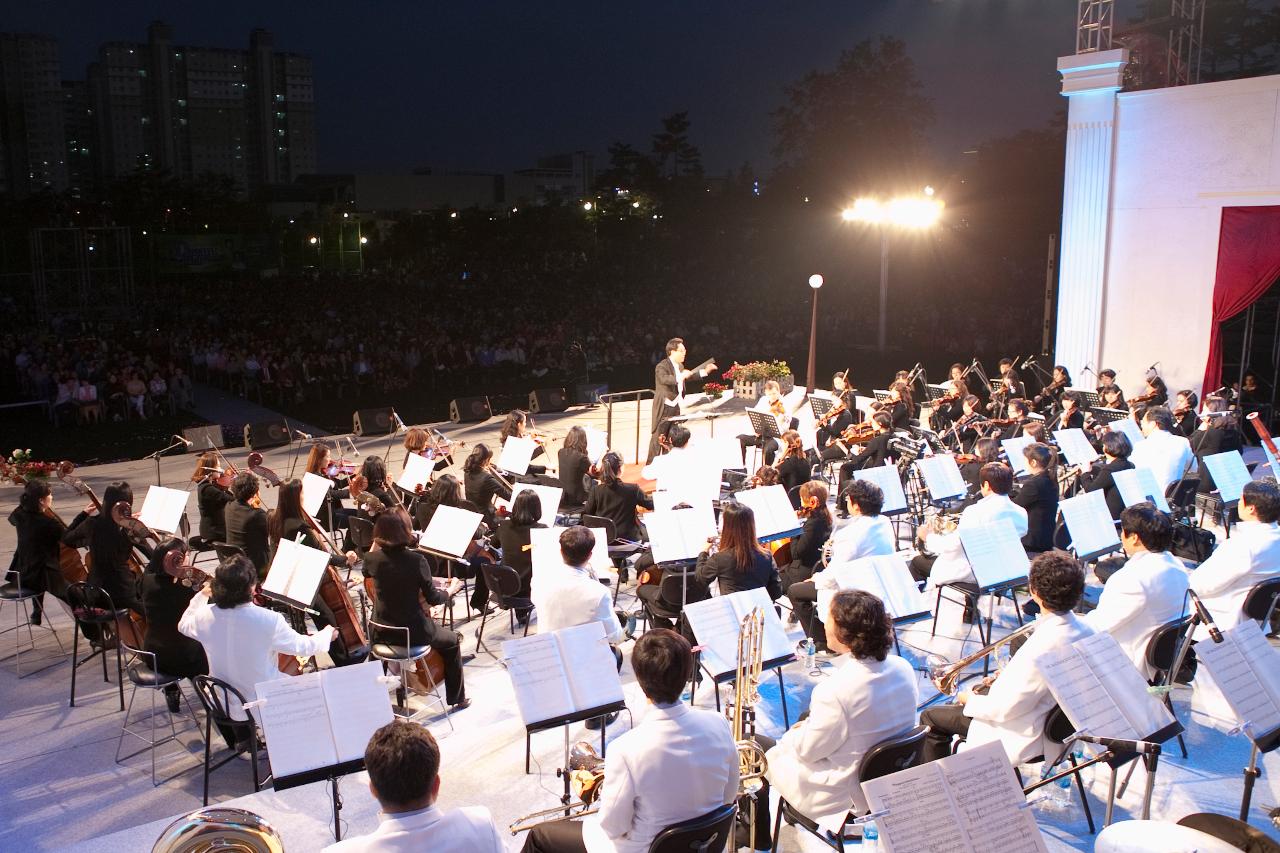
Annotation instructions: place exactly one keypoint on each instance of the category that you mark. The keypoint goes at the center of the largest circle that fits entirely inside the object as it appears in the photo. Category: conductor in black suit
(668, 384)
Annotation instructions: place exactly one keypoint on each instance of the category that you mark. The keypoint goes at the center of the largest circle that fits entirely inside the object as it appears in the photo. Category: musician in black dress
(399, 574)
(513, 539)
(332, 514)
(35, 560)
(373, 480)
(899, 405)
(874, 452)
(1072, 415)
(1185, 419)
(247, 523)
(1115, 452)
(514, 426)
(573, 465)
(740, 562)
(794, 468)
(843, 393)
(1018, 413)
(480, 484)
(212, 496)
(447, 491)
(110, 548)
(164, 599)
(1038, 495)
(1050, 398)
(617, 501)
(806, 549)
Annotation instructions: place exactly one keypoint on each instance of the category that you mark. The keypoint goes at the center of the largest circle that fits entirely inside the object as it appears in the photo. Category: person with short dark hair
(246, 523)
(1164, 454)
(1072, 415)
(616, 500)
(110, 549)
(242, 640)
(1013, 712)
(1038, 495)
(950, 564)
(513, 538)
(1217, 432)
(1148, 591)
(1250, 556)
(1115, 452)
(669, 376)
(403, 763)
(869, 698)
(677, 764)
(36, 557)
(572, 594)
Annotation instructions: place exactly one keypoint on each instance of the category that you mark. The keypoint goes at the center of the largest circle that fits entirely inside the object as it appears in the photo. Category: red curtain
(1248, 264)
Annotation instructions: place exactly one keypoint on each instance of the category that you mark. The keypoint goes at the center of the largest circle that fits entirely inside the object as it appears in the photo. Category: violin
(370, 504)
(967, 458)
(859, 433)
(836, 411)
(777, 408)
(1143, 398)
(341, 468)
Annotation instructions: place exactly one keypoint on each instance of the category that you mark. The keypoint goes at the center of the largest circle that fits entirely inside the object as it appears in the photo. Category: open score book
(717, 623)
(563, 673)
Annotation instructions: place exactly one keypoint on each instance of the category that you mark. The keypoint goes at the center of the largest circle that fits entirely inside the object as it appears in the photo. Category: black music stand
(820, 406)
(776, 665)
(565, 721)
(330, 774)
(1104, 415)
(765, 426)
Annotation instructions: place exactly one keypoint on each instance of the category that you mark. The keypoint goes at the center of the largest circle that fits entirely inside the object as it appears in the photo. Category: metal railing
(625, 396)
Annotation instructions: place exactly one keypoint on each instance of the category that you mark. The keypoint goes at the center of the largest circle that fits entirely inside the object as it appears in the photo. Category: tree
(858, 126)
(676, 157)
(1241, 39)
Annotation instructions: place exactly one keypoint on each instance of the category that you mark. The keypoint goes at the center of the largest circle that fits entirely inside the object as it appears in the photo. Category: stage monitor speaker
(373, 421)
(265, 434)
(548, 400)
(588, 393)
(203, 438)
(467, 409)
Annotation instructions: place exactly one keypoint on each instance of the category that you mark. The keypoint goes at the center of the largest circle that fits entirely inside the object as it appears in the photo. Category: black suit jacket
(212, 501)
(1100, 478)
(618, 503)
(873, 453)
(665, 387)
(794, 471)
(806, 549)
(1206, 442)
(513, 539)
(573, 472)
(1039, 497)
(164, 600)
(480, 488)
(37, 552)
(247, 528)
(398, 576)
(722, 567)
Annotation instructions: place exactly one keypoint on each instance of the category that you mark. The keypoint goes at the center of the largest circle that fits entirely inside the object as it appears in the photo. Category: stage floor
(60, 788)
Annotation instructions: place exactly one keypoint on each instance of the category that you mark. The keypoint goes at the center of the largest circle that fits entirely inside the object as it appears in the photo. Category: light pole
(815, 282)
(915, 213)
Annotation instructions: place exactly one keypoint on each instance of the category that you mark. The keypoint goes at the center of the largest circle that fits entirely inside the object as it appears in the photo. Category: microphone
(183, 440)
(1141, 747)
(1030, 360)
(301, 436)
(1152, 368)
(1202, 613)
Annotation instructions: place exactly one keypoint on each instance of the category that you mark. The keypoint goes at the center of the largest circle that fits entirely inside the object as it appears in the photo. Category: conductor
(668, 388)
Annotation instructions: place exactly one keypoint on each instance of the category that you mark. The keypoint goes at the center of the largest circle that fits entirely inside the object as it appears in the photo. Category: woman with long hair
(288, 521)
(513, 539)
(332, 515)
(740, 562)
(35, 560)
(110, 548)
(480, 484)
(514, 426)
(373, 480)
(447, 491)
(212, 496)
(617, 501)
(573, 467)
(806, 549)
(794, 468)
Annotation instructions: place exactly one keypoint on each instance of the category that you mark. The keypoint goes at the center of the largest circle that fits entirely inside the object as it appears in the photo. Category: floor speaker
(548, 400)
(265, 434)
(467, 409)
(203, 438)
(373, 421)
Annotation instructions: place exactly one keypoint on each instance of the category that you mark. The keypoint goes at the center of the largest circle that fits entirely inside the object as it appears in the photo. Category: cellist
(36, 559)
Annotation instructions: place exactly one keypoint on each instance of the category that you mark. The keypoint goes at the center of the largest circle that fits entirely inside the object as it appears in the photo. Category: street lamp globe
(815, 281)
(313, 240)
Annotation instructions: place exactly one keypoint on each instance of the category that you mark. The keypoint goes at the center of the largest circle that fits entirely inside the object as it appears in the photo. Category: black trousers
(944, 722)
(804, 601)
(447, 643)
(921, 566)
(770, 446)
(561, 836)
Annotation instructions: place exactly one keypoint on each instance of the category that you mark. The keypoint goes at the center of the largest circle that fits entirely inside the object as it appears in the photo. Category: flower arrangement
(758, 371)
(20, 468)
(714, 387)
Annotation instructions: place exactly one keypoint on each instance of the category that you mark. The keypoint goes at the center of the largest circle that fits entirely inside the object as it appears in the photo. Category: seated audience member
(403, 763)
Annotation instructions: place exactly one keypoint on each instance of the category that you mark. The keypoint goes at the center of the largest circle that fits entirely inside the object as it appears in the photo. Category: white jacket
(1145, 594)
(465, 830)
(1015, 709)
(1250, 556)
(952, 566)
(1166, 455)
(863, 536)
(815, 764)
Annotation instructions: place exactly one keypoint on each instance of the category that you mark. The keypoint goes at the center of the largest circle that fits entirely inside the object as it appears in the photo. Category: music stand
(1104, 415)
(765, 426)
(820, 406)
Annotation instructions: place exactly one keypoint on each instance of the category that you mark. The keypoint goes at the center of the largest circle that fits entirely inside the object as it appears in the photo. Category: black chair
(1260, 604)
(670, 588)
(707, 834)
(201, 546)
(226, 551)
(19, 596)
(888, 756)
(793, 494)
(391, 644)
(359, 533)
(218, 697)
(504, 592)
(1181, 495)
(95, 613)
(143, 673)
(1161, 654)
(618, 551)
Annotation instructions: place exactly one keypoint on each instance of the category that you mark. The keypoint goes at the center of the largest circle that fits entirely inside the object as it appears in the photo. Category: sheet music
(886, 577)
(680, 534)
(597, 444)
(548, 496)
(942, 476)
(1127, 687)
(721, 452)
(545, 545)
(1136, 484)
(538, 677)
(516, 454)
(296, 571)
(450, 530)
(1246, 667)
(1229, 473)
(417, 472)
(989, 801)
(1131, 430)
(921, 813)
(590, 667)
(715, 625)
(295, 721)
(1075, 446)
(358, 705)
(772, 509)
(887, 478)
(696, 481)
(1081, 695)
(1089, 522)
(1013, 449)
(994, 551)
(314, 490)
(162, 508)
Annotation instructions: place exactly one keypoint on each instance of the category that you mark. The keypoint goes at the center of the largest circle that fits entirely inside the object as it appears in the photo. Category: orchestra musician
(874, 452)
(1112, 397)
(675, 457)
(373, 479)
(793, 468)
(677, 764)
(1013, 712)
(1051, 396)
(1071, 416)
(1147, 591)
(1011, 388)
(480, 484)
(213, 493)
(871, 697)
(241, 640)
(669, 376)
(771, 403)
(830, 429)
(899, 405)
(1107, 382)
(739, 562)
(1250, 556)
(36, 557)
(1017, 414)
(1034, 430)
(1038, 496)
(618, 501)
(1166, 455)
(246, 522)
(1155, 393)
(110, 548)
(332, 515)
(513, 540)
(515, 425)
(764, 476)
(164, 599)
(984, 450)
(447, 491)
(573, 466)
(806, 549)
(403, 763)
(1217, 432)
(965, 429)
(949, 408)
(418, 440)
(1185, 419)
(1115, 454)
(400, 574)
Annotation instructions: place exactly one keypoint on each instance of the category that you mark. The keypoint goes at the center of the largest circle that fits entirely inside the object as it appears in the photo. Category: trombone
(586, 778)
(946, 676)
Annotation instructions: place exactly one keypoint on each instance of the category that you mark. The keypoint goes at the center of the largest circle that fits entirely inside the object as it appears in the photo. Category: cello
(71, 565)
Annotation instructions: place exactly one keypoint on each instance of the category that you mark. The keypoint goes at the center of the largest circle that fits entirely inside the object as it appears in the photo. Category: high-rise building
(247, 114)
(32, 143)
(80, 132)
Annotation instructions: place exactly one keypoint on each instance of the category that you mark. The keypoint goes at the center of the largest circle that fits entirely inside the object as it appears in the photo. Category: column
(1090, 81)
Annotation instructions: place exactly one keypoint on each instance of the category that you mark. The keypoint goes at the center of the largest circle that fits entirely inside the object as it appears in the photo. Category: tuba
(586, 780)
(222, 830)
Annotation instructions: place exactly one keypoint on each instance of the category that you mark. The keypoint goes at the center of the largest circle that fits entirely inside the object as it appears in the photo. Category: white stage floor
(60, 788)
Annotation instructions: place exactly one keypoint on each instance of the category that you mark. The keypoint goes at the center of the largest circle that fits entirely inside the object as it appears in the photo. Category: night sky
(491, 86)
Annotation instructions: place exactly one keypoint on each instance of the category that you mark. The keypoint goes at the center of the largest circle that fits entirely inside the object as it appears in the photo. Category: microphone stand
(156, 456)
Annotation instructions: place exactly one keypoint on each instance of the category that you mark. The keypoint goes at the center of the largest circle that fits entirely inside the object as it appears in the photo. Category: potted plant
(748, 379)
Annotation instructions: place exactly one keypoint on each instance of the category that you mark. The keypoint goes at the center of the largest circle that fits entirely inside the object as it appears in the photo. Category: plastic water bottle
(870, 837)
(810, 655)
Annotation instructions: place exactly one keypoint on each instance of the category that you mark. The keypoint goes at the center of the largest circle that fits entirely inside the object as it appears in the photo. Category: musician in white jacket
(403, 762)
(243, 641)
(1250, 556)
(1164, 454)
(1148, 591)
(871, 697)
(951, 566)
(1015, 709)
